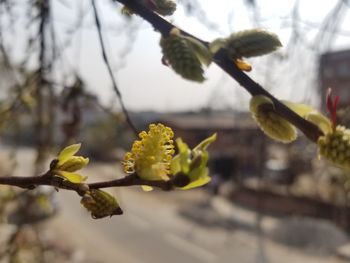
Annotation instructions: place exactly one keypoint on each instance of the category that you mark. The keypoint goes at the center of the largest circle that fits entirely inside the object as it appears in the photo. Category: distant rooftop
(210, 120)
(340, 54)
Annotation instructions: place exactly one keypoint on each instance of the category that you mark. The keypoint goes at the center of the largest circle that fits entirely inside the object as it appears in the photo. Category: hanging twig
(109, 68)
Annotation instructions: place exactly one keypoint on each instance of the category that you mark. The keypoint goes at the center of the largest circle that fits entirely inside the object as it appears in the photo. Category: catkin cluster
(335, 146)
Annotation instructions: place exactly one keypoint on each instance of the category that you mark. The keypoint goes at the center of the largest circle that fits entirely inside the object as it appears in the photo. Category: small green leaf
(181, 162)
(72, 177)
(175, 165)
(200, 170)
(68, 152)
(202, 180)
(192, 164)
(205, 143)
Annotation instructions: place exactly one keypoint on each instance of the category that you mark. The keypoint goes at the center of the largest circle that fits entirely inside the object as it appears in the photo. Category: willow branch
(58, 182)
(222, 59)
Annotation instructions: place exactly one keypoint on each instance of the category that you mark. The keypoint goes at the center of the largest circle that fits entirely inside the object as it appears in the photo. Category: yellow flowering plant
(152, 158)
(151, 155)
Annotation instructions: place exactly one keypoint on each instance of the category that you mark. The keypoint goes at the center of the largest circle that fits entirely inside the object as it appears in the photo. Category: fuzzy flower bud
(252, 43)
(100, 204)
(270, 122)
(73, 164)
(180, 55)
(67, 164)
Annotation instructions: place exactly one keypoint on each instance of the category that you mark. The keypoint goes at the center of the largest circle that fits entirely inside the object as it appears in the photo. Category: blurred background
(267, 202)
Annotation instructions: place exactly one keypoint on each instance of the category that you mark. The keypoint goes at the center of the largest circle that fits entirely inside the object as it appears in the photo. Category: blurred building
(334, 72)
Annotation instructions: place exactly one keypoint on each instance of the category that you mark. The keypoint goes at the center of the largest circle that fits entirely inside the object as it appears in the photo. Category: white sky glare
(146, 84)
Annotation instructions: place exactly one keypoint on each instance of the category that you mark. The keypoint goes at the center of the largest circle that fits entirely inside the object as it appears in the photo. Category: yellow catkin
(150, 156)
(335, 146)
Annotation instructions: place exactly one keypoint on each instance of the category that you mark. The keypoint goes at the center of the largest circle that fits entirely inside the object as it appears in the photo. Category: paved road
(147, 232)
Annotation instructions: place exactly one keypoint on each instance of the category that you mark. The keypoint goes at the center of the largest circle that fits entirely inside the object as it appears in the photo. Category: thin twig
(109, 68)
